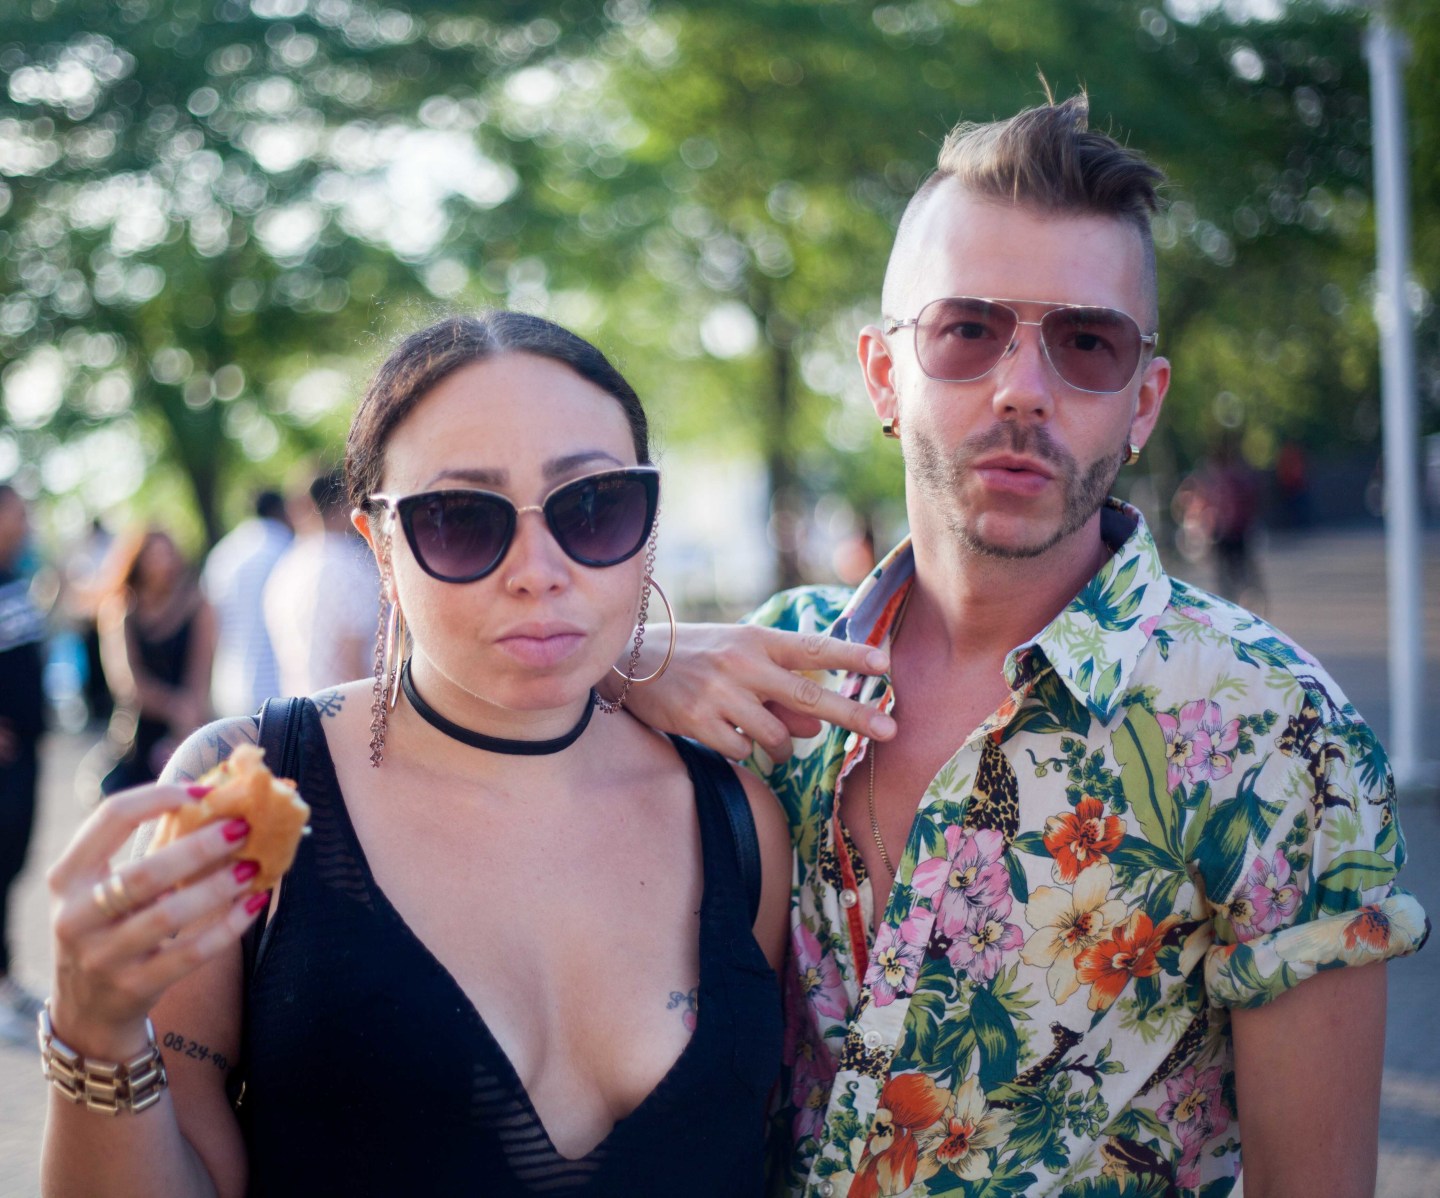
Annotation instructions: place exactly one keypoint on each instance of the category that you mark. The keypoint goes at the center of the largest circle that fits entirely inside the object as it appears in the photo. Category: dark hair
(270, 505)
(327, 491)
(1050, 159)
(121, 569)
(426, 358)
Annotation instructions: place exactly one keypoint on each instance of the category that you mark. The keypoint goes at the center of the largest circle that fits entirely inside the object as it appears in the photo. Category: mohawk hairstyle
(1049, 159)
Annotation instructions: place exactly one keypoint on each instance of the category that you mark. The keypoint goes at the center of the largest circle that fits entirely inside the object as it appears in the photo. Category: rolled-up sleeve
(1319, 891)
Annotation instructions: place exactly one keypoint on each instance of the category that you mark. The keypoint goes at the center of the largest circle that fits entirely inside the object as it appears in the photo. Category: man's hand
(1307, 1082)
(731, 684)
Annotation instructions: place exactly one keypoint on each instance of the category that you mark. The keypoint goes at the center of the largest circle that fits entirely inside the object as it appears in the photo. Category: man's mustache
(1032, 441)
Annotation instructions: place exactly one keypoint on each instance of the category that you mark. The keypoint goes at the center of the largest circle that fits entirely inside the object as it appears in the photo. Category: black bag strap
(279, 736)
(715, 779)
(742, 830)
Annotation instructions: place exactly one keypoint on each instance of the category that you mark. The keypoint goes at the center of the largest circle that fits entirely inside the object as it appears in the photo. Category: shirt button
(848, 898)
(827, 1189)
(873, 1040)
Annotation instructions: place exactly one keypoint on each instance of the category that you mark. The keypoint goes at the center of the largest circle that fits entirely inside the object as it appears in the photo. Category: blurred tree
(736, 172)
(1420, 21)
(208, 205)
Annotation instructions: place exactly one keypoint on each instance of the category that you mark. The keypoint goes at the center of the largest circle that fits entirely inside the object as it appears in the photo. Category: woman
(519, 968)
(157, 643)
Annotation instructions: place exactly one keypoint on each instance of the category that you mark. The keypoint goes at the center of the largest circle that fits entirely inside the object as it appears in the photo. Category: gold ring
(102, 900)
(120, 900)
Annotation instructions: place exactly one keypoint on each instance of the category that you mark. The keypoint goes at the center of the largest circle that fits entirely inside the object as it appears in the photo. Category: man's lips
(1013, 475)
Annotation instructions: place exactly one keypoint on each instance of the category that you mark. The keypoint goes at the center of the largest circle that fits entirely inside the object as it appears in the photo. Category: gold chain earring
(389, 654)
(611, 706)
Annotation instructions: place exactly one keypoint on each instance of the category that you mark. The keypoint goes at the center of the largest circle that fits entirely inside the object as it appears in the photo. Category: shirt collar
(1095, 642)
(1092, 645)
(871, 610)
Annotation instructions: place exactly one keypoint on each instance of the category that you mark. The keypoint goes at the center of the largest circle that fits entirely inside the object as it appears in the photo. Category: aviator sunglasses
(461, 536)
(961, 339)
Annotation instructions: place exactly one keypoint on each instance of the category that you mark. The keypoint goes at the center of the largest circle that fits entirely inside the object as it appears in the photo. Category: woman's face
(159, 563)
(540, 629)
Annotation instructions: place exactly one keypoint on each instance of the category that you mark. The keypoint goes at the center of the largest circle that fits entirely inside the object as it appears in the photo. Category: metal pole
(1386, 51)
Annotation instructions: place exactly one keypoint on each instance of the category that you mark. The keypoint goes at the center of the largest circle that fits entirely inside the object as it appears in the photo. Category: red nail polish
(255, 902)
(236, 829)
(245, 870)
(197, 791)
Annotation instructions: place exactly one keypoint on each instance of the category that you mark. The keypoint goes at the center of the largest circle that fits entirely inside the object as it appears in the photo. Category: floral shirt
(1174, 813)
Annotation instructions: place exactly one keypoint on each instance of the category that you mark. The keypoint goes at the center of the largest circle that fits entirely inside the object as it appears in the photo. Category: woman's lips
(540, 649)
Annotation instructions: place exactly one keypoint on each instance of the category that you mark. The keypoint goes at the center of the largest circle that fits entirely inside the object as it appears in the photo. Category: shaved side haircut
(1047, 159)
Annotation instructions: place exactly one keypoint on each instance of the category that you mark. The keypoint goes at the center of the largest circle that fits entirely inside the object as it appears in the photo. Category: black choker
(492, 744)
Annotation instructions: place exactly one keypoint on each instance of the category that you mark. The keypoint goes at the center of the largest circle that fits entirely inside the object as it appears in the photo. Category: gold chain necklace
(874, 820)
(875, 745)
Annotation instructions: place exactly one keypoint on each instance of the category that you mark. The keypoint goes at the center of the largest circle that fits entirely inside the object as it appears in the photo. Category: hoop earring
(891, 428)
(389, 654)
(611, 706)
(1132, 455)
(394, 654)
(650, 584)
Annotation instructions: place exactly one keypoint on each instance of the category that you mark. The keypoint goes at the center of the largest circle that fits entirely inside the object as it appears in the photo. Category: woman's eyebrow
(555, 467)
(480, 478)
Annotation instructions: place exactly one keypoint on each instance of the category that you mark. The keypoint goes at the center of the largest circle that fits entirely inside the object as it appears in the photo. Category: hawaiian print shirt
(1174, 813)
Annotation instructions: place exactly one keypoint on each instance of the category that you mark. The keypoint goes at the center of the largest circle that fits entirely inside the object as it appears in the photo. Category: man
(236, 570)
(322, 600)
(22, 723)
(1074, 927)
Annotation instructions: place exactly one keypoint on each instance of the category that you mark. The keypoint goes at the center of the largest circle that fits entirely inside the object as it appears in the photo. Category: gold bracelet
(105, 1086)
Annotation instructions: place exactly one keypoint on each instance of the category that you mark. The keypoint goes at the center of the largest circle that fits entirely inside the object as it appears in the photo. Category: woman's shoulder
(208, 746)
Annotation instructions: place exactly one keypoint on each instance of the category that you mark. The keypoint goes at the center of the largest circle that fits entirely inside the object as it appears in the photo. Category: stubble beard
(1084, 493)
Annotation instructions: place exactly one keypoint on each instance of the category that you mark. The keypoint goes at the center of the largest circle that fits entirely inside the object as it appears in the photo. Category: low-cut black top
(368, 1071)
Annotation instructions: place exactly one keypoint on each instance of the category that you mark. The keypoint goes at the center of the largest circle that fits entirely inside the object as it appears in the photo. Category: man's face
(1014, 463)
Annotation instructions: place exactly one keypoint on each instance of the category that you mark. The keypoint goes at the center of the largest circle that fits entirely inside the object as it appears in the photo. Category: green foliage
(215, 213)
(1349, 876)
(1139, 749)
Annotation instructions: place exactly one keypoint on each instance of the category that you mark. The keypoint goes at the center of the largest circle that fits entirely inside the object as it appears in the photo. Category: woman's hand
(122, 937)
(731, 684)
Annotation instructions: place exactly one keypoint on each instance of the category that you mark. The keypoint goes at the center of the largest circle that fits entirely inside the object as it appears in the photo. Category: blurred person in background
(1219, 505)
(157, 642)
(233, 580)
(323, 596)
(82, 594)
(22, 722)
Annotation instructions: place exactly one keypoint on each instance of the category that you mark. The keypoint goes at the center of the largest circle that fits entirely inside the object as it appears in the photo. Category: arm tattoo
(687, 1004)
(202, 751)
(205, 749)
(329, 703)
(182, 1046)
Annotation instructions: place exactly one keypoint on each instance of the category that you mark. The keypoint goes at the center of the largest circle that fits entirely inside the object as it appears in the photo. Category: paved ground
(1325, 590)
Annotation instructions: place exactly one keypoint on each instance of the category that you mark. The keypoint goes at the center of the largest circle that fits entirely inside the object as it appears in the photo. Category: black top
(368, 1071)
(164, 658)
(22, 660)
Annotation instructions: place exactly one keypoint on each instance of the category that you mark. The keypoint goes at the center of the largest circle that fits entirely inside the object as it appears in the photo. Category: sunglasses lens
(1094, 349)
(602, 521)
(958, 340)
(458, 536)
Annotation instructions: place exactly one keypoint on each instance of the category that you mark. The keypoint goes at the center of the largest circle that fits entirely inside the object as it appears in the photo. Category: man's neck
(973, 606)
